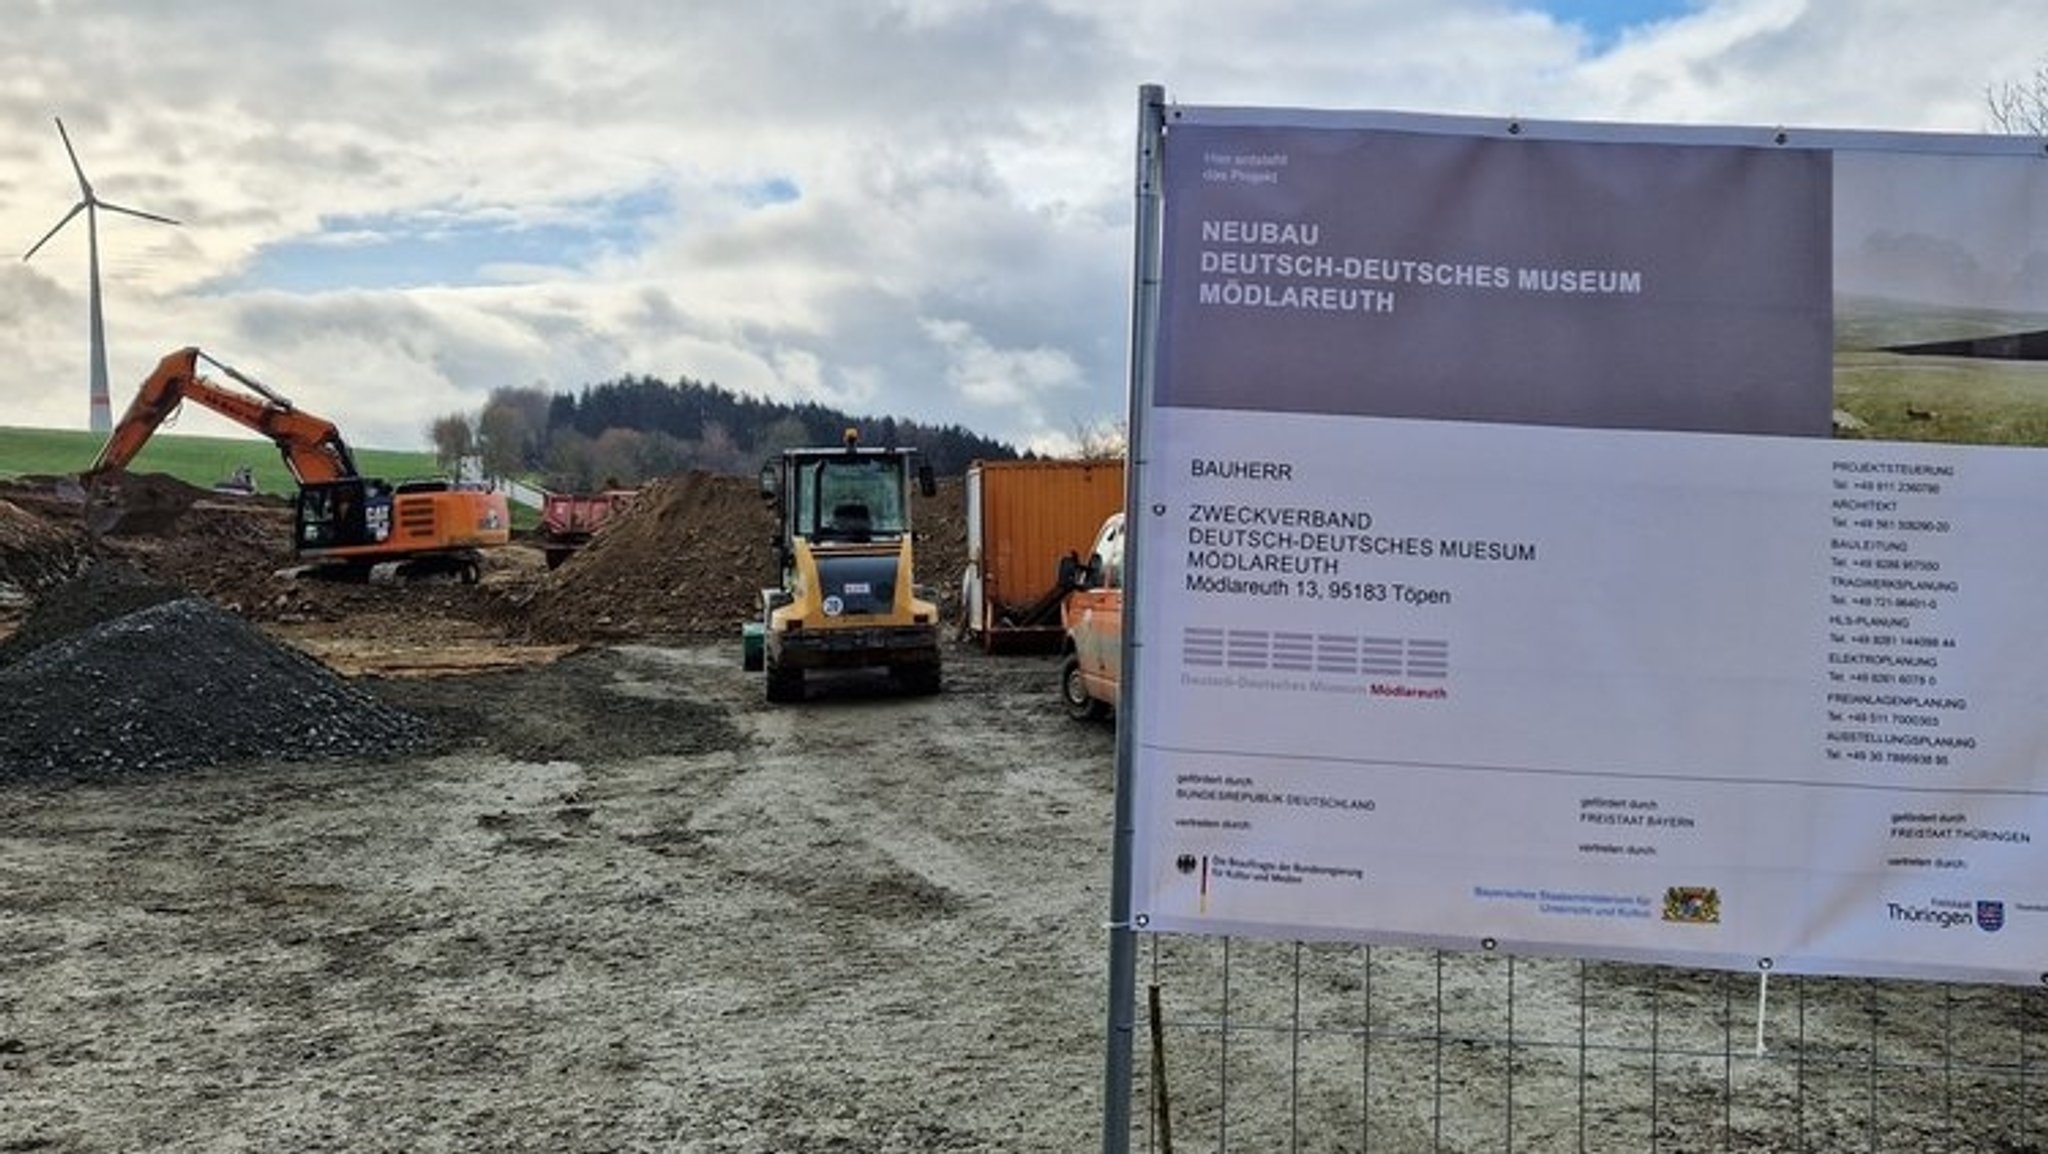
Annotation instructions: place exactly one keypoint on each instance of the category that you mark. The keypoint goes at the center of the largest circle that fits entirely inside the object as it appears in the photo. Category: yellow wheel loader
(849, 597)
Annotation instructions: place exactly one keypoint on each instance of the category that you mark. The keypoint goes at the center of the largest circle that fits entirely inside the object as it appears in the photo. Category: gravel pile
(103, 591)
(181, 684)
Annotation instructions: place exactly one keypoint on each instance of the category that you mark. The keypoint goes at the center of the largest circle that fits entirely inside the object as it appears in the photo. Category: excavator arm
(311, 446)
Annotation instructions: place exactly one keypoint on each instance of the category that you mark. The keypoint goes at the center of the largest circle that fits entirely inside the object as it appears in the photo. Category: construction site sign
(1606, 541)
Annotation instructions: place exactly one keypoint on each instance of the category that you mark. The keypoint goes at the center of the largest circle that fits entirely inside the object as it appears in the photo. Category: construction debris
(177, 643)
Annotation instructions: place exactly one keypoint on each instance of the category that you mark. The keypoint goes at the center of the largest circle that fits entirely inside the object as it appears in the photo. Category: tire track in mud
(896, 846)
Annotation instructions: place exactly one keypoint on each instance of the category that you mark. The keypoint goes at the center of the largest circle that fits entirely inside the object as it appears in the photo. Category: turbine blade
(112, 207)
(75, 210)
(84, 186)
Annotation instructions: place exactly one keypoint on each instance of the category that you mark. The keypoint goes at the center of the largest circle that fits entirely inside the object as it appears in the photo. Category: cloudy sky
(909, 207)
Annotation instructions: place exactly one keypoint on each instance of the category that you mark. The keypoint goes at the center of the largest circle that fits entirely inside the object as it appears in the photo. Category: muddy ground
(621, 903)
(639, 910)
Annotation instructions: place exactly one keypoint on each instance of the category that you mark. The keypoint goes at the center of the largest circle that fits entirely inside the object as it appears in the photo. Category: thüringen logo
(1990, 916)
(1929, 916)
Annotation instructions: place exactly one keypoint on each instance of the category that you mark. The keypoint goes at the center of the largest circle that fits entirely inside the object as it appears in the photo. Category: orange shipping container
(1022, 517)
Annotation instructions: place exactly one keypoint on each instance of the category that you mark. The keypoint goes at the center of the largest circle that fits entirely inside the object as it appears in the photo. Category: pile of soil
(941, 524)
(690, 556)
(228, 550)
(35, 554)
(138, 504)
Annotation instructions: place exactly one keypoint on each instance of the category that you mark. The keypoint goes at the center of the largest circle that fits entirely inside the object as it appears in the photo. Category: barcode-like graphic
(1209, 647)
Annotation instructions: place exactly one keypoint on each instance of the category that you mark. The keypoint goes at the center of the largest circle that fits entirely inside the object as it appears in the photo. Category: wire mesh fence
(1345, 1049)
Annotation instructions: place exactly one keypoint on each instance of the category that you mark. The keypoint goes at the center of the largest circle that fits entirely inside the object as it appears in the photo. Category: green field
(1952, 400)
(199, 461)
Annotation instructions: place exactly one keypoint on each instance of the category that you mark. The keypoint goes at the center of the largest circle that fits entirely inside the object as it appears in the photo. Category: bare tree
(568, 462)
(617, 455)
(505, 437)
(2020, 107)
(785, 432)
(453, 438)
(1101, 440)
(719, 452)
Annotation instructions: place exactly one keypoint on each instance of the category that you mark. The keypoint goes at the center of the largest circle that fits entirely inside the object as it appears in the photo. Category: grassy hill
(197, 461)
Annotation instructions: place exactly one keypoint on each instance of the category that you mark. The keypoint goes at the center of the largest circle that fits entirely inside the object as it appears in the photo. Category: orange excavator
(345, 525)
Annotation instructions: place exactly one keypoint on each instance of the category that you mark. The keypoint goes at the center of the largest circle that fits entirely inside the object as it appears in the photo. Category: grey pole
(1123, 943)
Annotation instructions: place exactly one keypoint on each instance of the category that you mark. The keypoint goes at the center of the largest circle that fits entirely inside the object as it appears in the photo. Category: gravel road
(634, 908)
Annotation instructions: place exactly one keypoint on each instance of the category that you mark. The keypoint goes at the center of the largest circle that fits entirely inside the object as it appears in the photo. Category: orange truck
(1092, 624)
(1022, 518)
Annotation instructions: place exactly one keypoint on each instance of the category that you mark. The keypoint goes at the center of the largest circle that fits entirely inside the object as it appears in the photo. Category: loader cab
(858, 499)
(850, 495)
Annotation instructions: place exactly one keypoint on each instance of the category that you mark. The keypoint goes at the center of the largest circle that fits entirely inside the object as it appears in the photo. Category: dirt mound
(941, 523)
(229, 549)
(139, 504)
(35, 554)
(183, 684)
(691, 556)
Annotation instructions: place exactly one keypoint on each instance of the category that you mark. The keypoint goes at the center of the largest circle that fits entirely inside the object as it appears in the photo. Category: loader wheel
(1074, 695)
(785, 685)
(921, 680)
(471, 572)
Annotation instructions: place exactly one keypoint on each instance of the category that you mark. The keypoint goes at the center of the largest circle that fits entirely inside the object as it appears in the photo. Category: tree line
(631, 430)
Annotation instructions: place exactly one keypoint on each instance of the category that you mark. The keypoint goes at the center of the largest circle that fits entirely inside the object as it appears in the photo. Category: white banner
(1500, 582)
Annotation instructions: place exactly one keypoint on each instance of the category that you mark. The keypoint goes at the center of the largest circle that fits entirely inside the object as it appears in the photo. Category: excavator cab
(363, 528)
(338, 514)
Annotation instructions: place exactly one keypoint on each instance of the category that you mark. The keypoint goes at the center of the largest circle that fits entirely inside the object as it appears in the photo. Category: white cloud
(1000, 378)
(919, 208)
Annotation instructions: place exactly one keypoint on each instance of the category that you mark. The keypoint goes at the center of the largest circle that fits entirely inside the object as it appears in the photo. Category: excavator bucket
(125, 505)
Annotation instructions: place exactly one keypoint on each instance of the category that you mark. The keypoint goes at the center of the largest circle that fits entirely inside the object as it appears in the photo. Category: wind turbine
(102, 416)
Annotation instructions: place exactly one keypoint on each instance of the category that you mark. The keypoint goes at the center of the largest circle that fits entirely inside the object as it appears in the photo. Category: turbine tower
(102, 414)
